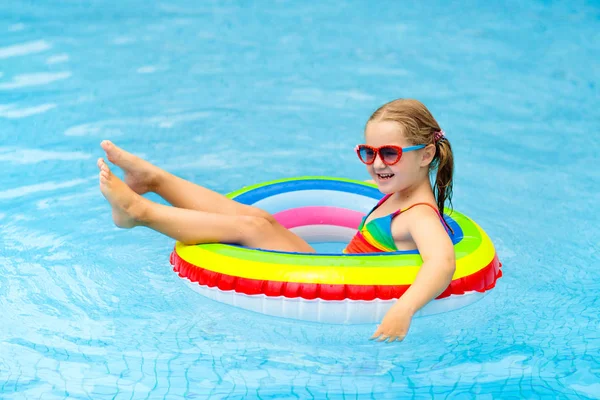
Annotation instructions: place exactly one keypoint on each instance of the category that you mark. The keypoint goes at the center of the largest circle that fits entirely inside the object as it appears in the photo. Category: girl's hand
(394, 325)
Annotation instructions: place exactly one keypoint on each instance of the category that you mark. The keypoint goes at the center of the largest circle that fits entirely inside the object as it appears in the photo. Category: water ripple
(592, 390)
(34, 156)
(336, 99)
(379, 71)
(24, 49)
(36, 79)
(57, 59)
(147, 69)
(16, 27)
(10, 111)
(39, 187)
(111, 127)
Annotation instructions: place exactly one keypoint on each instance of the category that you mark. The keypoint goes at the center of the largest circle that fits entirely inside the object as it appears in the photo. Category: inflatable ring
(330, 288)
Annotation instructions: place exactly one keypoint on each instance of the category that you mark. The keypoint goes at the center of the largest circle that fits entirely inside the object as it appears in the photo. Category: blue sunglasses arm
(411, 148)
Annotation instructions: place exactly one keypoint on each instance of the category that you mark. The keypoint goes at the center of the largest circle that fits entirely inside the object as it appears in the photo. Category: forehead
(379, 133)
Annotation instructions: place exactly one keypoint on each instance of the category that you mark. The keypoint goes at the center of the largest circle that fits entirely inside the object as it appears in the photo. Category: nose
(378, 163)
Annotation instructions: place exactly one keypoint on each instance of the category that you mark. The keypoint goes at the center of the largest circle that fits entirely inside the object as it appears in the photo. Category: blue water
(230, 94)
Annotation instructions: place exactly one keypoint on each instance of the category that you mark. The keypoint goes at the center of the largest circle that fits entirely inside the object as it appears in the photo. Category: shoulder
(423, 225)
(414, 217)
(418, 214)
(422, 210)
(403, 224)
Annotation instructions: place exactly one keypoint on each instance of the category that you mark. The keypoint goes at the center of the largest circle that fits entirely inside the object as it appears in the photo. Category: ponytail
(444, 163)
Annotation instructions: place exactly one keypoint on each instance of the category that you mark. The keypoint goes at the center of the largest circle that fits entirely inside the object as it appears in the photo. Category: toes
(111, 150)
(102, 165)
(106, 145)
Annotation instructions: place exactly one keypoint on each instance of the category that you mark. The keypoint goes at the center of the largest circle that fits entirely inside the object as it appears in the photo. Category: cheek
(403, 171)
(408, 166)
(400, 169)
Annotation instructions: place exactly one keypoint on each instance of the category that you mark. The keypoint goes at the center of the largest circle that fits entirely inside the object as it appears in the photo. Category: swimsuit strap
(416, 204)
(425, 204)
(387, 196)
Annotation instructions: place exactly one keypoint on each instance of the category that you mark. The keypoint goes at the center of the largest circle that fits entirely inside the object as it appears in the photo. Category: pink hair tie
(438, 136)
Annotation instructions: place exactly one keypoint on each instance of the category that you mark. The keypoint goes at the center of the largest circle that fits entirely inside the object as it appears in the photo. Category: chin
(386, 191)
(387, 187)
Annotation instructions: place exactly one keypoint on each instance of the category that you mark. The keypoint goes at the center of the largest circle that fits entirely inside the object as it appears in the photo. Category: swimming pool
(232, 94)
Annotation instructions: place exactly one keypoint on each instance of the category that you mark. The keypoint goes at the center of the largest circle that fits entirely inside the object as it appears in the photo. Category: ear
(428, 154)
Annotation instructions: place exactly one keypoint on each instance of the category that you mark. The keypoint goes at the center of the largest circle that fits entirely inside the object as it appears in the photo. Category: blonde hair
(421, 128)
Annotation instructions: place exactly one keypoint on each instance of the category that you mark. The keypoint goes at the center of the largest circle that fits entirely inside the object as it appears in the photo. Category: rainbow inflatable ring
(329, 288)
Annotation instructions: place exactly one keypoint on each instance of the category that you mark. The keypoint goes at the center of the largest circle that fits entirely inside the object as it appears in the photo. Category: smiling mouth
(384, 177)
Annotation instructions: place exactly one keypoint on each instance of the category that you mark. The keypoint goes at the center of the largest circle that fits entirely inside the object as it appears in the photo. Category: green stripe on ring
(471, 241)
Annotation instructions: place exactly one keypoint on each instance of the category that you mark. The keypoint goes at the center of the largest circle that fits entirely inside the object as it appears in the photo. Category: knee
(259, 213)
(253, 228)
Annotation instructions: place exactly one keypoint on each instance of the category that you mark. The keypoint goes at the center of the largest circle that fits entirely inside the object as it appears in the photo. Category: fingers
(383, 338)
(398, 338)
(380, 336)
(377, 333)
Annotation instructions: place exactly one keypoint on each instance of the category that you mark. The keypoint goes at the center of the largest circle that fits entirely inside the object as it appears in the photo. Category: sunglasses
(389, 154)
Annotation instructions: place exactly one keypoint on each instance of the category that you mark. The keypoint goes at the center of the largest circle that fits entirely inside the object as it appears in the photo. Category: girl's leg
(142, 177)
(192, 226)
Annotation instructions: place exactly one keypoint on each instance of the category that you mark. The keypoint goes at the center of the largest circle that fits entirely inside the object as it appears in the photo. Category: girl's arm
(439, 264)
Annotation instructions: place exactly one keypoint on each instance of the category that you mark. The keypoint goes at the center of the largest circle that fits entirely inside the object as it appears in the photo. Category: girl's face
(412, 167)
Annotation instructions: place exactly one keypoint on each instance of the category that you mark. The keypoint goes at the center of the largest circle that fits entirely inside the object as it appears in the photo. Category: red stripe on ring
(480, 281)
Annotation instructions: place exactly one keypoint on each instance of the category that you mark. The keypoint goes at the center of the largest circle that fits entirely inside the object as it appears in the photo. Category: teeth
(385, 176)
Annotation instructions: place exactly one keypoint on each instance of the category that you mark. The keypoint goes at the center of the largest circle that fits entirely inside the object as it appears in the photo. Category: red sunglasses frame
(376, 151)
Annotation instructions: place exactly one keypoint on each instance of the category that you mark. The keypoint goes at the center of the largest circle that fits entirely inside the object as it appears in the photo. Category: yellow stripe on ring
(371, 274)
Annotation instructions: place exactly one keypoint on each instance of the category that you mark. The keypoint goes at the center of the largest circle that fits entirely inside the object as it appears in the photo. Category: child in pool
(404, 144)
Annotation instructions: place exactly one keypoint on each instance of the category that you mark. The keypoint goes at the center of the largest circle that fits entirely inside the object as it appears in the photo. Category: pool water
(230, 94)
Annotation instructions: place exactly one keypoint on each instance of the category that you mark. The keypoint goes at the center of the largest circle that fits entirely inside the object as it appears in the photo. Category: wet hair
(421, 128)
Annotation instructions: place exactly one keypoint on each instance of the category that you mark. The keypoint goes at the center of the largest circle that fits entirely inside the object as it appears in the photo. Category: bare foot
(127, 206)
(140, 175)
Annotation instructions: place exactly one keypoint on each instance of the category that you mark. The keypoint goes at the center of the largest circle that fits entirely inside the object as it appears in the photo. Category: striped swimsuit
(376, 236)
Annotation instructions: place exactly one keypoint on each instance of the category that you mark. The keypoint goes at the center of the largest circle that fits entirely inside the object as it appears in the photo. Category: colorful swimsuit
(376, 236)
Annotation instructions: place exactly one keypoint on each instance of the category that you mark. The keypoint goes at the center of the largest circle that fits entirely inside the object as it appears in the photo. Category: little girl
(404, 144)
